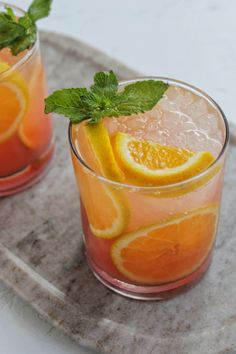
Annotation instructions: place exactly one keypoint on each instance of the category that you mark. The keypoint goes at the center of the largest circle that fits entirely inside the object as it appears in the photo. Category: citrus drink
(150, 187)
(26, 132)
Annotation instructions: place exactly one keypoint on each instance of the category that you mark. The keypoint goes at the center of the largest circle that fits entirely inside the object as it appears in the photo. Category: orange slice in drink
(105, 206)
(168, 250)
(3, 66)
(148, 163)
(13, 103)
(100, 143)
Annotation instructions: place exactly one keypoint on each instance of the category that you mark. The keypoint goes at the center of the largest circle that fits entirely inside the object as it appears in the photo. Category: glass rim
(29, 53)
(171, 185)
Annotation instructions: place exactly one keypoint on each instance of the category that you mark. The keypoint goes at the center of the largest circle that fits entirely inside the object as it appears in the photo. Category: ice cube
(208, 123)
(197, 108)
(180, 119)
(176, 99)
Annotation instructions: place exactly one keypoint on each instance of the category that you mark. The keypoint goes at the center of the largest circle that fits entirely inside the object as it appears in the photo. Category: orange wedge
(148, 163)
(13, 103)
(168, 250)
(100, 143)
(105, 206)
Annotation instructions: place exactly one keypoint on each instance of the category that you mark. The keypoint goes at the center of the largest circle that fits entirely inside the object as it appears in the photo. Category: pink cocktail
(144, 240)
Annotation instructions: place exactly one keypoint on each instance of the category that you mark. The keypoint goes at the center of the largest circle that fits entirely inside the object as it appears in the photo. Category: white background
(190, 40)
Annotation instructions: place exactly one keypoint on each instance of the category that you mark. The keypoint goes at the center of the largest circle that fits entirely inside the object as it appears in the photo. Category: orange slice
(100, 143)
(13, 103)
(148, 163)
(3, 66)
(105, 206)
(168, 250)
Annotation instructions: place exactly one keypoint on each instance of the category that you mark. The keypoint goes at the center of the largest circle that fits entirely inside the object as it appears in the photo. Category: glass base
(157, 292)
(29, 176)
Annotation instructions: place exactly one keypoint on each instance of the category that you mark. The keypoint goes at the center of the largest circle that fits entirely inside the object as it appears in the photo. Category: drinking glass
(26, 133)
(164, 236)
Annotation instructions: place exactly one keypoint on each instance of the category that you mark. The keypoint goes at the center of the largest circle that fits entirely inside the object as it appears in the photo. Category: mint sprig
(20, 33)
(104, 99)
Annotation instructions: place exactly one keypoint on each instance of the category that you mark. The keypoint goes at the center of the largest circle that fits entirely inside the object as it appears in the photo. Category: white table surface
(186, 39)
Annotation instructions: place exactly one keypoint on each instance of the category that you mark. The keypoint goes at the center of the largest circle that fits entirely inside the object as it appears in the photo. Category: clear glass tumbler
(159, 240)
(26, 133)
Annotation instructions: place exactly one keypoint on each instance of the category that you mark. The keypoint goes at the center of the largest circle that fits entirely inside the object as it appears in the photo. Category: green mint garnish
(103, 99)
(20, 33)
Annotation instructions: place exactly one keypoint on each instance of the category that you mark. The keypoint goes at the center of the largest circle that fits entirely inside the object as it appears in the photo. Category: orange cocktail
(26, 134)
(150, 187)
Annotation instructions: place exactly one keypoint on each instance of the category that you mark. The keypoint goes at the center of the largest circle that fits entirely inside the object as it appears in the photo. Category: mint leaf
(26, 21)
(68, 102)
(9, 30)
(29, 37)
(104, 99)
(39, 9)
(23, 42)
(105, 83)
(142, 95)
(20, 33)
(146, 93)
(11, 14)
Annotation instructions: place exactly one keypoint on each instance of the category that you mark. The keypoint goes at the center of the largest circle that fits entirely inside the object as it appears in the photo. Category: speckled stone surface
(41, 254)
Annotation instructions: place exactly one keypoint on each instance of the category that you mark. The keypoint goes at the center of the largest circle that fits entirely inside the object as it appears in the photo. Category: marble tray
(41, 255)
